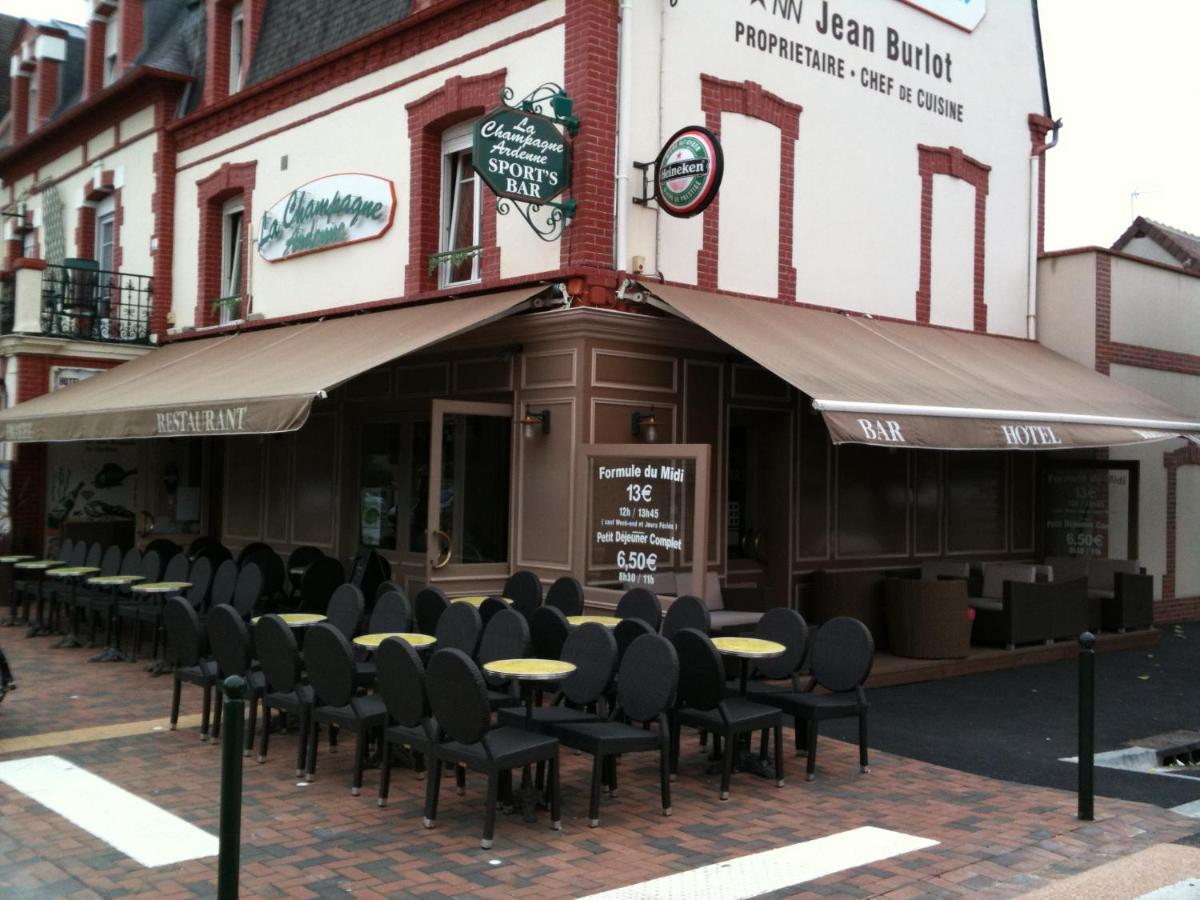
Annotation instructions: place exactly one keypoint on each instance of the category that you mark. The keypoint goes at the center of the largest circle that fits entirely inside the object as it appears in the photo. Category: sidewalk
(994, 838)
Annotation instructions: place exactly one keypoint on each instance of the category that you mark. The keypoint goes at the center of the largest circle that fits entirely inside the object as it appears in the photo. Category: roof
(8, 33)
(1183, 246)
(295, 31)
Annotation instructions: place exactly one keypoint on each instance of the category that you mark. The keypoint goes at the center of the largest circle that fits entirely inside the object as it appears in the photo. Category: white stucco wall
(1187, 532)
(1066, 313)
(1155, 307)
(1144, 247)
(952, 263)
(749, 228)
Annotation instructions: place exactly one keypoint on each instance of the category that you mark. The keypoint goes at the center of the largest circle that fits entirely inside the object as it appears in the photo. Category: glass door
(469, 493)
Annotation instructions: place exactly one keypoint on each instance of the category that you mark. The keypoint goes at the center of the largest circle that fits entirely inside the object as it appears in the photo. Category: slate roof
(295, 31)
(1182, 245)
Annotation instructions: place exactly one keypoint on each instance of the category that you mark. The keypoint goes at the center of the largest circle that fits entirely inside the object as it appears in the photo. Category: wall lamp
(645, 426)
(532, 419)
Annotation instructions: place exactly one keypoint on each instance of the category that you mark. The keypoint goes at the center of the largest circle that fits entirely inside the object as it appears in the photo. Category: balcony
(78, 301)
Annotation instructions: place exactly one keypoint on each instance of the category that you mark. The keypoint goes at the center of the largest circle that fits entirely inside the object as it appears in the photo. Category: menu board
(1086, 511)
(641, 519)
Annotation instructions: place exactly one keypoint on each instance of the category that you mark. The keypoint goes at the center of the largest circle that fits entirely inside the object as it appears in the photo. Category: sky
(1122, 79)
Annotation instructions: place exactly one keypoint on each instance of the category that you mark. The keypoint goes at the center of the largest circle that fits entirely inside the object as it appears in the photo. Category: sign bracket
(551, 229)
(549, 93)
(647, 182)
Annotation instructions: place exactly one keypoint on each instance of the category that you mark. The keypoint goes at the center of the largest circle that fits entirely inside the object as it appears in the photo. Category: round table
(112, 652)
(159, 590)
(73, 573)
(297, 620)
(528, 671)
(41, 566)
(161, 587)
(606, 621)
(115, 580)
(416, 639)
(15, 558)
(477, 601)
(12, 600)
(746, 649)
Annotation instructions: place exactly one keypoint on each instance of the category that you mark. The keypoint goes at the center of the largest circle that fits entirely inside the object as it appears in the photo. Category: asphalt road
(1017, 724)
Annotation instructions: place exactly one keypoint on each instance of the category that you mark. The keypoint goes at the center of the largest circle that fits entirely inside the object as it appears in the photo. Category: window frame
(110, 61)
(232, 268)
(237, 46)
(454, 142)
(106, 215)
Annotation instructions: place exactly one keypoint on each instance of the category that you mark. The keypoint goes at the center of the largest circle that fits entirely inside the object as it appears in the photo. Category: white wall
(1155, 307)
(1066, 289)
(749, 228)
(952, 262)
(1145, 247)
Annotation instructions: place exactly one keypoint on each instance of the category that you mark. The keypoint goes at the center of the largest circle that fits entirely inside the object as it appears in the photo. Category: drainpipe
(624, 137)
(1036, 161)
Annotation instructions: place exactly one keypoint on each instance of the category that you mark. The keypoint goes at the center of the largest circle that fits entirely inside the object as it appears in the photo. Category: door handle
(443, 561)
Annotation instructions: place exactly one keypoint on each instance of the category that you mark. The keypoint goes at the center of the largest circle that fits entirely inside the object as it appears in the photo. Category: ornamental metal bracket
(556, 221)
(647, 183)
(535, 101)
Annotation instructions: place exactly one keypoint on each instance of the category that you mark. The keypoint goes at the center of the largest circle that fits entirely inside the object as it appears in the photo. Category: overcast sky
(1121, 78)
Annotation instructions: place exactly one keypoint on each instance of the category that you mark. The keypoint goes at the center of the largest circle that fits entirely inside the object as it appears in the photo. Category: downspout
(624, 136)
(1036, 161)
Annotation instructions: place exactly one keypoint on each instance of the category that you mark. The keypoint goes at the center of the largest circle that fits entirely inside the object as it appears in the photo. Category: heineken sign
(521, 155)
(330, 212)
(688, 172)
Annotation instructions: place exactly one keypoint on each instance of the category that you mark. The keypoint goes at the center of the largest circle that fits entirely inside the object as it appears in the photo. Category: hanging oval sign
(688, 172)
(329, 212)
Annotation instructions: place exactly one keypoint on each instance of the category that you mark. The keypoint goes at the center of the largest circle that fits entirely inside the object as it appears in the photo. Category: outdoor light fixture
(532, 419)
(645, 426)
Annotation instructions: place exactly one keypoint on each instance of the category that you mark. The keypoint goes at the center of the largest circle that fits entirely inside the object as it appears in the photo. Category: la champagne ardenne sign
(521, 155)
(329, 212)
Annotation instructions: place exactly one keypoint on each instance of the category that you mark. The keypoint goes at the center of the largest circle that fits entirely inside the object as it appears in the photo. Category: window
(111, 30)
(232, 253)
(236, 45)
(460, 210)
(31, 112)
(29, 243)
(106, 222)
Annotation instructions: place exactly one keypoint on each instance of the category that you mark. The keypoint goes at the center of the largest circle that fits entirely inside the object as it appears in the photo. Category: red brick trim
(219, 14)
(1039, 127)
(457, 100)
(212, 192)
(747, 98)
(85, 226)
(1103, 313)
(590, 61)
(93, 58)
(162, 205)
(47, 74)
(19, 101)
(953, 162)
(129, 38)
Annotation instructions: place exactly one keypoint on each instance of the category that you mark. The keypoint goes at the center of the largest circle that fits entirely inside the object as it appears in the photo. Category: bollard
(1087, 723)
(231, 789)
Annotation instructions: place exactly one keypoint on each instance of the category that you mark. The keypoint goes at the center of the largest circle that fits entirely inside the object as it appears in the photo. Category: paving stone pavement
(997, 839)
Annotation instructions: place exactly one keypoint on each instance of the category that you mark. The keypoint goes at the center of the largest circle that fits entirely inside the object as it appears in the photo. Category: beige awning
(900, 384)
(253, 382)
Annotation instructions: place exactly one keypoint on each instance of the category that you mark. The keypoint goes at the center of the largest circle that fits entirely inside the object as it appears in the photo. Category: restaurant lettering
(326, 213)
(202, 421)
(884, 430)
(1029, 435)
(521, 155)
(19, 431)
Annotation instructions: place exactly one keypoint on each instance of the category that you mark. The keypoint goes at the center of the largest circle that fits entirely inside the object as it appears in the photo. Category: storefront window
(379, 461)
(475, 486)
(418, 490)
(975, 489)
(872, 512)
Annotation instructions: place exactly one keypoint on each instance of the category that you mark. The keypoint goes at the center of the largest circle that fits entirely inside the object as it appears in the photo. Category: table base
(111, 654)
(69, 642)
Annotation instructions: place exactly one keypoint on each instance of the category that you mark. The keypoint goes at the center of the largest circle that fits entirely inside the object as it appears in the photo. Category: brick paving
(996, 839)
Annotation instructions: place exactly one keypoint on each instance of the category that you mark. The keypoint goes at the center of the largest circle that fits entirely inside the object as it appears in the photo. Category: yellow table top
(297, 620)
(16, 558)
(750, 648)
(530, 669)
(115, 579)
(372, 641)
(161, 587)
(478, 601)
(606, 621)
(41, 564)
(72, 571)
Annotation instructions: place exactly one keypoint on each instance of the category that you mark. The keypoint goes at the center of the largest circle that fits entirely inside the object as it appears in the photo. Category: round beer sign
(688, 172)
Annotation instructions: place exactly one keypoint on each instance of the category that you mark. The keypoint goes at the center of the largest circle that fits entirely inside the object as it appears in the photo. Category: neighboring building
(872, 248)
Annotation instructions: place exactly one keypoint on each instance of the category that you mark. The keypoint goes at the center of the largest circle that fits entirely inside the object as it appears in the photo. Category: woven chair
(703, 704)
(329, 660)
(402, 685)
(345, 610)
(628, 631)
(458, 698)
(687, 612)
(460, 627)
(567, 595)
(490, 606)
(64, 591)
(646, 686)
(428, 606)
(100, 600)
(178, 568)
(524, 589)
(279, 657)
(505, 637)
(224, 582)
(787, 627)
(548, 630)
(270, 564)
(129, 606)
(82, 597)
(841, 655)
(249, 590)
(300, 558)
(592, 649)
(185, 651)
(389, 587)
(640, 603)
(229, 639)
(318, 583)
(391, 613)
(201, 578)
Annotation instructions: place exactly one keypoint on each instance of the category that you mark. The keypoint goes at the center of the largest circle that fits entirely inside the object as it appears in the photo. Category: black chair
(567, 595)
(460, 627)
(209, 548)
(130, 607)
(248, 590)
(402, 685)
(524, 589)
(318, 583)
(490, 606)
(250, 550)
(55, 591)
(458, 699)
(640, 603)
(185, 650)
(787, 627)
(300, 559)
(82, 597)
(64, 594)
(229, 639)
(703, 704)
(164, 547)
(178, 568)
(279, 657)
(224, 582)
(505, 637)
(329, 660)
(646, 686)
(687, 612)
(345, 610)
(548, 630)
(100, 600)
(389, 587)
(201, 578)
(628, 631)
(428, 606)
(391, 614)
(840, 660)
(592, 649)
(270, 565)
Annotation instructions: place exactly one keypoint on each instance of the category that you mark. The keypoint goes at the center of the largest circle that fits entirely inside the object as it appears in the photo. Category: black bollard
(231, 789)
(1087, 723)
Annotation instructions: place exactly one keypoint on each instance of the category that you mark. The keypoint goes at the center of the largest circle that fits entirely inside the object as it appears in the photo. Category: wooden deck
(890, 670)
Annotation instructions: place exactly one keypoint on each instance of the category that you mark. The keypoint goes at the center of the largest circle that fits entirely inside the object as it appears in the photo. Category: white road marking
(773, 870)
(142, 831)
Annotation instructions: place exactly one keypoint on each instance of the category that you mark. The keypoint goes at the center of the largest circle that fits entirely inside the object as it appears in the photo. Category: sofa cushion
(1102, 572)
(996, 573)
(1068, 568)
(985, 603)
(933, 569)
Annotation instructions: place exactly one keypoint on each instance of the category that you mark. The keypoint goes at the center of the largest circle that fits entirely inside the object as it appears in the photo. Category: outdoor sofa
(1120, 591)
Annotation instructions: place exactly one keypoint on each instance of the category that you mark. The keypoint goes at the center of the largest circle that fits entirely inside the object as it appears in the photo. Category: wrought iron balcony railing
(84, 302)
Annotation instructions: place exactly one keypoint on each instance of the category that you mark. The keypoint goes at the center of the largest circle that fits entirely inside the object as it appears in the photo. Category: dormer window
(236, 47)
(111, 46)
